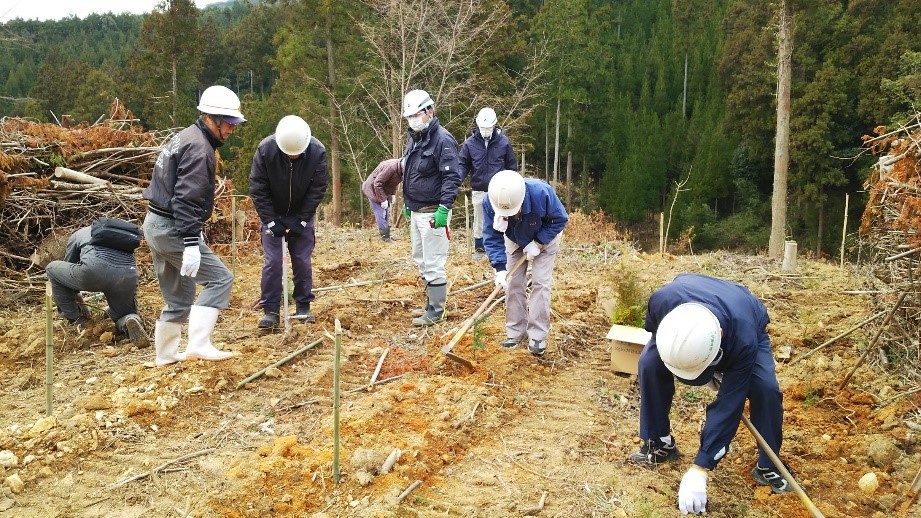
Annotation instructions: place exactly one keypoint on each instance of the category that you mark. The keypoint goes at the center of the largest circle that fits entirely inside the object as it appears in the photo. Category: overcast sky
(57, 9)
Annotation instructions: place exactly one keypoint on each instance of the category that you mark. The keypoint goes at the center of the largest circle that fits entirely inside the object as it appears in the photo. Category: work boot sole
(136, 333)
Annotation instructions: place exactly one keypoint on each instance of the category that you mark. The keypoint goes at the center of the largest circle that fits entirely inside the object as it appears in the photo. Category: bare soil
(488, 442)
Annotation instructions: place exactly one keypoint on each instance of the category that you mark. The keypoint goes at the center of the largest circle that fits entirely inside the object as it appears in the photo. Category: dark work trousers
(93, 273)
(300, 250)
(380, 215)
(657, 388)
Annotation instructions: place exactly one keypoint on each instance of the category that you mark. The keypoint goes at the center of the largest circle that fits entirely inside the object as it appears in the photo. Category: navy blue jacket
(743, 319)
(430, 176)
(542, 218)
(481, 160)
(285, 188)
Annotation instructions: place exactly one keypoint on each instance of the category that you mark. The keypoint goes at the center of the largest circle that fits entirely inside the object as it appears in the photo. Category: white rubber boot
(201, 325)
(166, 342)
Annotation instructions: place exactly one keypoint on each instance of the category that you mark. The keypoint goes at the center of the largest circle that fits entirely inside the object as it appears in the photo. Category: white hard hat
(506, 193)
(486, 118)
(415, 101)
(688, 339)
(292, 135)
(220, 100)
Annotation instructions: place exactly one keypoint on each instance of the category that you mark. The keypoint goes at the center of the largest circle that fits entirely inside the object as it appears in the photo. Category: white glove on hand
(385, 204)
(692, 494)
(500, 224)
(191, 260)
(531, 250)
(714, 384)
(501, 279)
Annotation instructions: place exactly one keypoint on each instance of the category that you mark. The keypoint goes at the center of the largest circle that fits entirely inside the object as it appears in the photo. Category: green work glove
(406, 212)
(441, 217)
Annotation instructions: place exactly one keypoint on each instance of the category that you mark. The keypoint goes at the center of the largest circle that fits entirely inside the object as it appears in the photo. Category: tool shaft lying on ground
(470, 320)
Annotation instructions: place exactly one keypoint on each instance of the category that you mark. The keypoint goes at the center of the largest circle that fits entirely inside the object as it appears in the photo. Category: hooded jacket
(285, 188)
(481, 159)
(430, 176)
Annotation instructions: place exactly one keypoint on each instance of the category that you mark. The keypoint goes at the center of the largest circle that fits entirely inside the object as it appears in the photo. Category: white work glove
(531, 250)
(501, 279)
(385, 204)
(191, 260)
(692, 494)
(714, 384)
(500, 224)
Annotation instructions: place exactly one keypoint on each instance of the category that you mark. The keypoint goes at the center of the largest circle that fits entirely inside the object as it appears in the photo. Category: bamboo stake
(538, 508)
(233, 235)
(279, 363)
(408, 490)
(49, 350)
(467, 223)
(284, 282)
(842, 335)
(870, 347)
(336, 402)
(847, 200)
(377, 370)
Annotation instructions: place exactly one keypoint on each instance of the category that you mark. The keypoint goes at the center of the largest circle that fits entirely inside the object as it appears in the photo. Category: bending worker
(380, 186)
(100, 257)
(287, 183)
(704, 329)
(181, 199)
(523, 218)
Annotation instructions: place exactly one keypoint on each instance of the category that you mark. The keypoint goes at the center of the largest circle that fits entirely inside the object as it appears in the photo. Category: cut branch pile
(55, 179)
(889, 228)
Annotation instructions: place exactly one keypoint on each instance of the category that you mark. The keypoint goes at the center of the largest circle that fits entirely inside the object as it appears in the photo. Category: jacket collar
(424, 135)
(213, 140)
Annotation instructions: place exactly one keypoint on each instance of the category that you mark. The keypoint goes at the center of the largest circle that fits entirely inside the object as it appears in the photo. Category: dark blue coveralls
(745, 361)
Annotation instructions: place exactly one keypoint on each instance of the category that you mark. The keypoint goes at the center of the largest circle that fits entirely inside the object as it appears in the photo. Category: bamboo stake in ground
(49, 350)
(408, 490)
(279, 363)
(872, 345)
(377, 370)
(336, 402)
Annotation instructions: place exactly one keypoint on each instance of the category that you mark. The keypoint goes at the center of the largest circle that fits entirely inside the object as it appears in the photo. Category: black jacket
(430, 175)
(481, 160)
(182, 183)
(281, 187)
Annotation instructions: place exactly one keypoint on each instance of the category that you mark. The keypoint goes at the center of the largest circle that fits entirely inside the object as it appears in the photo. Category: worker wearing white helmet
(485, 152)
(527, 221)
(705, 329)
(180, 199)
(430, 184)
(287, 182)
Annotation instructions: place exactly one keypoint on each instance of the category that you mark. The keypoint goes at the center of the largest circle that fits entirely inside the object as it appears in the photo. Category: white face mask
(486, 132)
(417, 122)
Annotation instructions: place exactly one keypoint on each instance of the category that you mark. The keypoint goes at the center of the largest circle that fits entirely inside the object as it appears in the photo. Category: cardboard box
(627, 343)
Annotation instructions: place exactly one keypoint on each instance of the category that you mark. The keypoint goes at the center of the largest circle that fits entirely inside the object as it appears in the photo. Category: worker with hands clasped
(380, 187)
(485, 152)
(100, 257)
(704, 329)
(287, 183)
(523, 218)
(181, 199)
(430, 184)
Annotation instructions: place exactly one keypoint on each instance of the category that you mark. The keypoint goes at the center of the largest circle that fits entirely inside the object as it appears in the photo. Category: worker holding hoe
(523, 218)
(286, 183)
(708, 332)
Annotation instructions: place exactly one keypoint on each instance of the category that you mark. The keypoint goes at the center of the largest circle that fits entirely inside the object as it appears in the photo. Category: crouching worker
(100, 257)
(704, 329)
(523, 218)
(286, 183)
(181, 199)
(379, 187)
